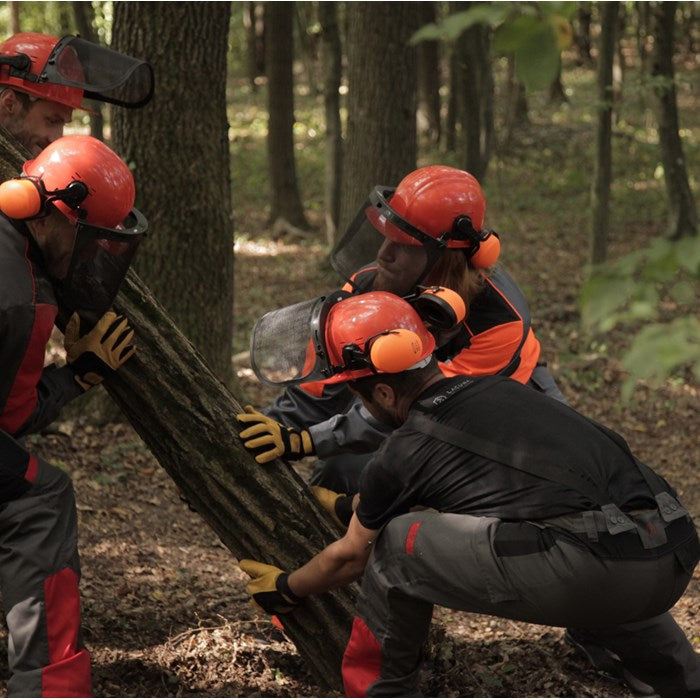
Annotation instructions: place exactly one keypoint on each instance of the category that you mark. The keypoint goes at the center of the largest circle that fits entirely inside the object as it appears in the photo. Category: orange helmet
(108, 185)
(87, 182)
(71, 68)
(435, 207)
(372, 333)
(23, 60)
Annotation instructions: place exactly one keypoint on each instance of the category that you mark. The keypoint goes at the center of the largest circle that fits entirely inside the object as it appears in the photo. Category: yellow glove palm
(268, 439)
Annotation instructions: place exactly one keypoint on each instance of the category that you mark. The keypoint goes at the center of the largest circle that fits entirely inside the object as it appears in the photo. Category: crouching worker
(533, 513)
(67, 236)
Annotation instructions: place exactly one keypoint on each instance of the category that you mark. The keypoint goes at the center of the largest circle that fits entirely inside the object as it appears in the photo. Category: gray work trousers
(39, 574)
(428, 558)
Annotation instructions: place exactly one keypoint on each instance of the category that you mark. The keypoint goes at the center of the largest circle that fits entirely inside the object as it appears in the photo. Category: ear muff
(484, 247)
(487, 253)
(20, 199)
(26, 198)
(440, 308)
(396, 351)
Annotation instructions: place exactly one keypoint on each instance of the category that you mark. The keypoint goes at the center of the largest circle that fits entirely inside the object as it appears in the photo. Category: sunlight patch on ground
(261, 247)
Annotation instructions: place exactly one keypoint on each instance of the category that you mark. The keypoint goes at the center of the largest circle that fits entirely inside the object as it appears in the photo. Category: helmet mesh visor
(282, 349)
(104, 74)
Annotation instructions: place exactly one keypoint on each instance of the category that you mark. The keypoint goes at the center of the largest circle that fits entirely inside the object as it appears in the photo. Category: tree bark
(285, 201)
(185, 415)
(428, 61)
(84, 15)
(14, 17)
(476, 109)
(381, 131)
(602, 171)
(683, 219)
(180, 155)
(331, 52)
(582, 34)
(253, 43)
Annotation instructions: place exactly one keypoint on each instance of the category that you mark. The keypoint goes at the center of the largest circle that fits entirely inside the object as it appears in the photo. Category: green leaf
(511, 35)
(537, 59)
(683, 292)
(602, 295)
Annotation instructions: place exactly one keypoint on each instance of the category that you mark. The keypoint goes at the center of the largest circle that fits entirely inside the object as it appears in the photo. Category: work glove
(101, 351)
(338, 505)
(267, 439)
(269, 588)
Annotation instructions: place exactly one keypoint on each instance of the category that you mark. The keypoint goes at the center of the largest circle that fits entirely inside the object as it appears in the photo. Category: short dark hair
(402, 382)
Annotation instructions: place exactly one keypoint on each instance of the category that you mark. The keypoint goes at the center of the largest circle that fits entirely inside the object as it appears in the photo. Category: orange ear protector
(484, 246)
(439, 308)
(27, 198)
(391, 351)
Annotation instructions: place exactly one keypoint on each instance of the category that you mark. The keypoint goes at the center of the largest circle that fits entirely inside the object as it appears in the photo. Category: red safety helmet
(24, 60)
(108, 190)
(88, 183)
(372, 333)
(435, 207)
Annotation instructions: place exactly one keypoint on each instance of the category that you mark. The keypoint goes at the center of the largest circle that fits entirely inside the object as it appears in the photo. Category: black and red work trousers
(463, 562)
(39, 574)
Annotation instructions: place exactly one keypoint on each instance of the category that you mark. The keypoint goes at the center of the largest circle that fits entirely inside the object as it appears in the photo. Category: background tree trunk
(331, 52)
(381, 132)
(683, 219)
(84, 14)
(428, 62)
(285, 201)
(255, 63)
(602, 171)
(185, 415)
(14, 17)
(582, 34)
(181, 165)
(477, 93)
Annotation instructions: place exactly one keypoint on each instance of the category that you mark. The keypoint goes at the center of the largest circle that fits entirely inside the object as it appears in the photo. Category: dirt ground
(164, 605)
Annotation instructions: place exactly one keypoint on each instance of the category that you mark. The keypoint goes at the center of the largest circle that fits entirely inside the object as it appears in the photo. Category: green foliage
(534, 33)
(642, 287)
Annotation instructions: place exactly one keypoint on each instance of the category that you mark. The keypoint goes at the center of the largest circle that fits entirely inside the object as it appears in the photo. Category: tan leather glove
(267, 439)
(269, 588)
(101, 351)
(328, 500)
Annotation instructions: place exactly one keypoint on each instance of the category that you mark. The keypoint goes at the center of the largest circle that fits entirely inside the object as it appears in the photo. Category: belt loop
(590, 525)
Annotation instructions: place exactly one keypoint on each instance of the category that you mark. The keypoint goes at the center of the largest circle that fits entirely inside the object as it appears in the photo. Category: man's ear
(384, 396)
(9, 104)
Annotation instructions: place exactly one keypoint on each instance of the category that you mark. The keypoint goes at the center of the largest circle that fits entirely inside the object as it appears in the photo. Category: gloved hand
(329, 502)
(269, 588)
(99, 352)
(265, 432)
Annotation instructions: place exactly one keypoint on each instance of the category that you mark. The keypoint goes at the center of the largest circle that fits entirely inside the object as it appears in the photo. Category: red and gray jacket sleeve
(31, 396)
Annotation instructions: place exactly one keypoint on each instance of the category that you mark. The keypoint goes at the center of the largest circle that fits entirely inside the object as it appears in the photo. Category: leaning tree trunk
(683, 220)
(185, 415)
(602, 171)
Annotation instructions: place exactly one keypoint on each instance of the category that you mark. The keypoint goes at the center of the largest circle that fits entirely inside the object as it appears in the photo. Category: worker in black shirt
(529, 511)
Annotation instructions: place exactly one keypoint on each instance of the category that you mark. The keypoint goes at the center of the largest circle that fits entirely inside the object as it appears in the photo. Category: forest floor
(165, 609)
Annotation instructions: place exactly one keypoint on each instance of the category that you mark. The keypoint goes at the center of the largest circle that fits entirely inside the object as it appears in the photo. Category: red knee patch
(411, 536)
(362, 660)
(68, 672)
(32, 469)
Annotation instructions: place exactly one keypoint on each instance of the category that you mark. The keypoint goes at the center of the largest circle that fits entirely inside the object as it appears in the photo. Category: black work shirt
(413, 468)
